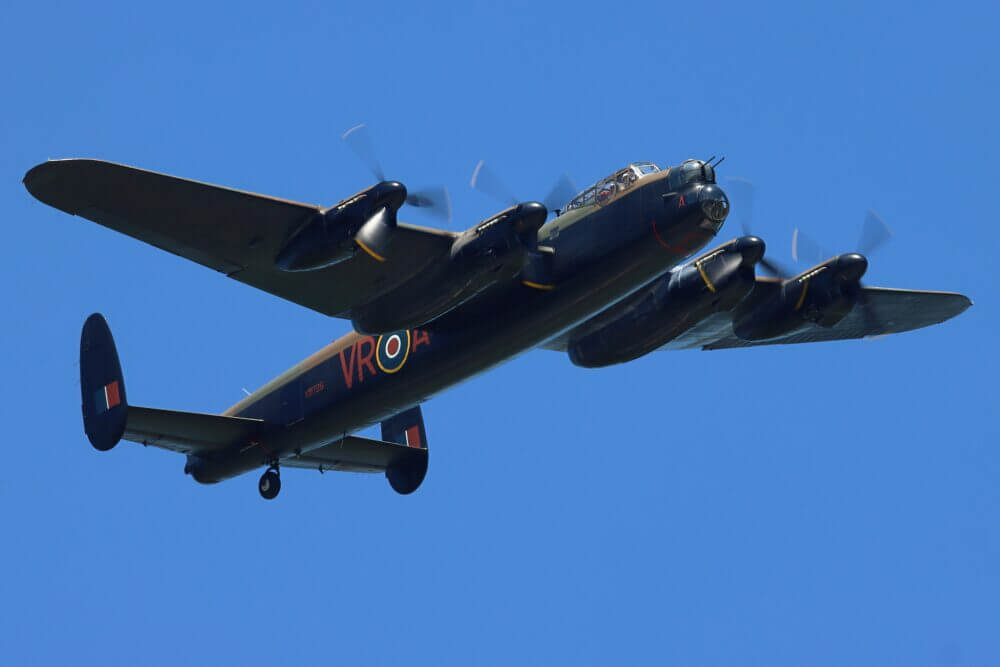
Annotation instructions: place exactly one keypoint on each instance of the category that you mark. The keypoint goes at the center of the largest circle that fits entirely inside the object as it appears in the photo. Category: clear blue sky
(825, 505)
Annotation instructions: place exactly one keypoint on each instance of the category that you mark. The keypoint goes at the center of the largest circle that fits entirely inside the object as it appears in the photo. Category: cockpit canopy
(689, 171)
(604, 189)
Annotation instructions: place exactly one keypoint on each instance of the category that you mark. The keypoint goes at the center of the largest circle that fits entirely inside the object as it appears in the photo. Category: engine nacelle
(656, 315)
(328, 238)
(823, 295)
(492, 252)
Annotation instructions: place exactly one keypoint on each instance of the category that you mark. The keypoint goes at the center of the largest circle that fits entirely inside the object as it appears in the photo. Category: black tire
(269, 484)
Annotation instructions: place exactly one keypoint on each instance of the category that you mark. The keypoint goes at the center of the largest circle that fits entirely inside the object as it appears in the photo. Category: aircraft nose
(714, 203)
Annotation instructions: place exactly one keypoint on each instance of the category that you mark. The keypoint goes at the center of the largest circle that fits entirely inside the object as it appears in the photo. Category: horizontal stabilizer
(188, 432)
(356, 454)
(401, 454)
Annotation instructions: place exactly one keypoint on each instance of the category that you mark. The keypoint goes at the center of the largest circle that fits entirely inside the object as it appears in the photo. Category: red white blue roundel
(392, 350)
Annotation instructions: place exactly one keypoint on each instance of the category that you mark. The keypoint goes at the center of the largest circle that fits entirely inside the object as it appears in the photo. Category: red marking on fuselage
(686, 243)
(315, 389)
(420, 337)
(656, 233)
(357, 359)
(392, 347)
(347, 364)
(354, 360)
(365, 360)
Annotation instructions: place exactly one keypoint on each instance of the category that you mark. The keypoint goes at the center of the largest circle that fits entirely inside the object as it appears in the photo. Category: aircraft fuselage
(603, 252)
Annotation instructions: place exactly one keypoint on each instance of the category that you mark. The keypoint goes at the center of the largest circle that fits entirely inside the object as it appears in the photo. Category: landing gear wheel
(269, 484)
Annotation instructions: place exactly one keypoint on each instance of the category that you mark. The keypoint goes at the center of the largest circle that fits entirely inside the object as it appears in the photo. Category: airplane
(606, 280)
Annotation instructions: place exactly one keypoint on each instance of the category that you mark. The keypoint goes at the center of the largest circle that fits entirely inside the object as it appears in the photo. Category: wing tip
(961, 304)
(38, 180)
(33, 177)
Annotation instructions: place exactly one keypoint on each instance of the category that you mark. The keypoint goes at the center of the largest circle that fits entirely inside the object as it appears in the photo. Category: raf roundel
(393, 350)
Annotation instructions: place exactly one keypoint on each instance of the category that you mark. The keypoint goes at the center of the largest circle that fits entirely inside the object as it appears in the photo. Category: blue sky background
(826, 504)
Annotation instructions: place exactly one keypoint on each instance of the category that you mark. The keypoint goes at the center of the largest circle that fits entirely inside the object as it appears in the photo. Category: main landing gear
(270, 482)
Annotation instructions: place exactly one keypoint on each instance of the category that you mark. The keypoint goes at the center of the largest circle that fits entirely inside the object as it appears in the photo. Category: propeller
(488, 182)
(874, 233)
(741, 195)
(538, 266)
(561, 193)
(434, 200)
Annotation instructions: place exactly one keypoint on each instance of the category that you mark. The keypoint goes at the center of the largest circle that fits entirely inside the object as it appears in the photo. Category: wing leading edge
(891, 311)
(231, 231)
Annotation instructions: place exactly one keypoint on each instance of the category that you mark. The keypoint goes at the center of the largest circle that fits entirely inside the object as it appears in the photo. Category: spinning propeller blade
(774, 268)
(360, 141)
(486, 181)
(874, 232)
(561, 193)
(434, 200)
(804, 249)
(742, 194)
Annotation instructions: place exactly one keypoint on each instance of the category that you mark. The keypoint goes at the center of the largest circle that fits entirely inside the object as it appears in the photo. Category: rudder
(101, 385)
(407, 428)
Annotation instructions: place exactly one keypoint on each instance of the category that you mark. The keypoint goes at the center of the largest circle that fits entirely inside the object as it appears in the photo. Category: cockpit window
(606, 188)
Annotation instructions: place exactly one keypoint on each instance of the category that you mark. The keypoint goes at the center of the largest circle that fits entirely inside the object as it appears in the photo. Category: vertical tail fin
(101, 385)
(407, 428)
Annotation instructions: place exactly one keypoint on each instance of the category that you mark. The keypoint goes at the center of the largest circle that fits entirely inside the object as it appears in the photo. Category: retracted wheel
(269, 484)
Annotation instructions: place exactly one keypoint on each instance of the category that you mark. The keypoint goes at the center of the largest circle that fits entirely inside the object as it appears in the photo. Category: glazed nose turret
(714, 203)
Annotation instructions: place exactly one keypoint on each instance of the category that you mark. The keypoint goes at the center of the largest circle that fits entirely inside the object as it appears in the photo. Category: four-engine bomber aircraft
(604, 280)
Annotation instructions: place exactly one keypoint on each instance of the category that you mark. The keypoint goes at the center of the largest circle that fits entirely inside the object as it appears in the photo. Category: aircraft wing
(888, 311)
(234, 232)
(187, 432)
